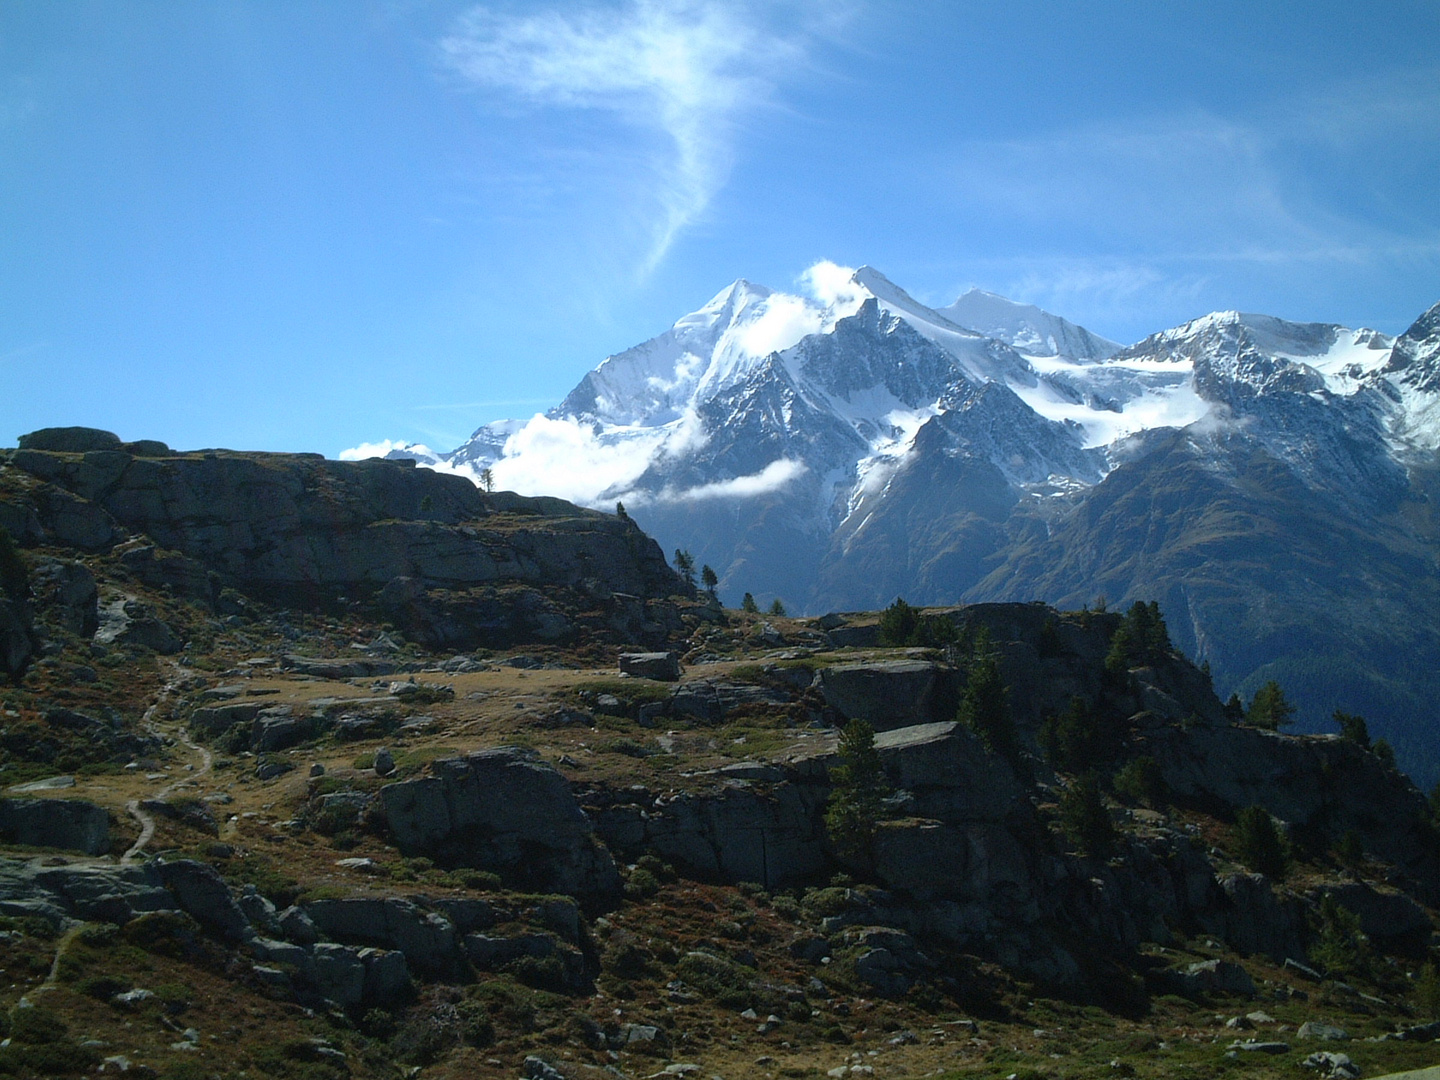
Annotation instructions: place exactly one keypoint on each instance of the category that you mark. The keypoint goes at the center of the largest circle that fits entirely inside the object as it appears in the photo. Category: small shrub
(725, 982)
(641, 885)
(627, 960)
(1259, 845)
(101, 987)
(628, 747)
(786, 906)
(662, 870)
(37, 1026)
(378, 1024)
(49, 1059)
(479, 880)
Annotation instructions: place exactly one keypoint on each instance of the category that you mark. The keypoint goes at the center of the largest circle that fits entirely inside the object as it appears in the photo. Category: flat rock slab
(660, 666)
(889, 694)
(53, 783)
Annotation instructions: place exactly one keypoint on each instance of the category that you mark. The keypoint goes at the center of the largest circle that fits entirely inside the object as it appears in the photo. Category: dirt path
(146, 819)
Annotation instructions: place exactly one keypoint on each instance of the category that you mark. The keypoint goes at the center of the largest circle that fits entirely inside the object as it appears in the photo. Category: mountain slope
(1253, 474)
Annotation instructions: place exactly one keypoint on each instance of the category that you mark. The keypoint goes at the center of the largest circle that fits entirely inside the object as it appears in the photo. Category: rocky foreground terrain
(315, 769)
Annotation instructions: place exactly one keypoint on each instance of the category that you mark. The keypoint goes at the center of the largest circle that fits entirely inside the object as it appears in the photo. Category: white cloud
(565, 458)
(831, 284)
(785, 321)
(687, 69)
(771, 478)
(375, 449)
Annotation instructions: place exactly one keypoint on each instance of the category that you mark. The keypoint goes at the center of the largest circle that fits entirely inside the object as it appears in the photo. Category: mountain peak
(1026, 327)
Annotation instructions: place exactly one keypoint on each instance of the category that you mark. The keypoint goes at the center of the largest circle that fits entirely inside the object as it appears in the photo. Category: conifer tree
(1269, 709)
(857, 793)
(685, 566)
(984, 705)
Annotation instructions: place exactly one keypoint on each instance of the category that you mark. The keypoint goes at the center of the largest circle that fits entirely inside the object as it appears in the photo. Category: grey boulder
(502, 810)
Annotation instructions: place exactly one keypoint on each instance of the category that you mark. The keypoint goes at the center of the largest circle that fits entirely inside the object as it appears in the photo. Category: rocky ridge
(471, 861)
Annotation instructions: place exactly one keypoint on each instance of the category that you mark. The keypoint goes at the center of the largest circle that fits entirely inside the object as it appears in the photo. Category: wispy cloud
(1151, 212)
(686, 69)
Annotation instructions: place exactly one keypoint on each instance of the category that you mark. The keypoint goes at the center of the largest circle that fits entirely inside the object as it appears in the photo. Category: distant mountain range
(1273, 484)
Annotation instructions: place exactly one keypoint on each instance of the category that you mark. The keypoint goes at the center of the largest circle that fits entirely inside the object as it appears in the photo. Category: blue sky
(302, 226)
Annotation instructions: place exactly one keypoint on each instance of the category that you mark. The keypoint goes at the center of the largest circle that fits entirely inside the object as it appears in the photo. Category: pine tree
(709, 579)
(1352, 728)
(685, 566)
(1140, 639)
(1269, 709)
(777, 607)
(1085, 819)
(1258, 843)
(487, 479)
(984, 705)
(14, 577)
(857, 793)
(897, 623)
(748, 605)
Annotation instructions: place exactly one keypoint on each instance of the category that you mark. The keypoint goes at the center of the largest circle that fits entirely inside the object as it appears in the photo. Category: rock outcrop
(502, 810)
(454, 566)
(69, 824)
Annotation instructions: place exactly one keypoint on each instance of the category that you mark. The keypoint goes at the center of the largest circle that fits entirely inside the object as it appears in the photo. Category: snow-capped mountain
(839, 449)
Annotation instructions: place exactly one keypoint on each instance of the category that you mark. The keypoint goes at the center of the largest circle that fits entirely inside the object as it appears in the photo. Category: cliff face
(453, 565)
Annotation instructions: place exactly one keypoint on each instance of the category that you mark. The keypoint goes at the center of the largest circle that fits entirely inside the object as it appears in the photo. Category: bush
(101, 987)
(642, 884)
(1259, 845)
(378, 1024)
(37, 1026)
(725, 982)
(1085, 819)
(49, 1059)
